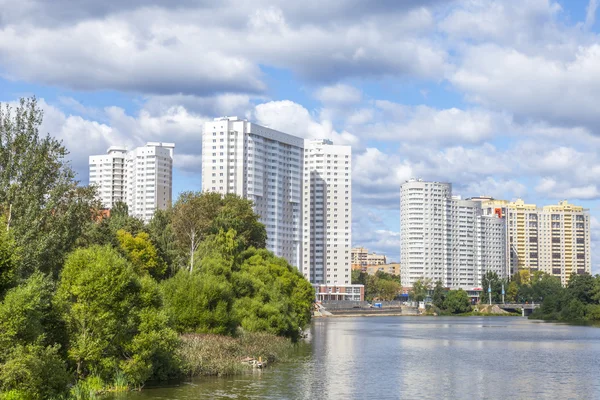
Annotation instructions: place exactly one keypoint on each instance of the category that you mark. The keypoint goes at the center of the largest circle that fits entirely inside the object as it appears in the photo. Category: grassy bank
(204, 355)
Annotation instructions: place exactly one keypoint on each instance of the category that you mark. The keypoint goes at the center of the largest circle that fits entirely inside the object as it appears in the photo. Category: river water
(420, 358)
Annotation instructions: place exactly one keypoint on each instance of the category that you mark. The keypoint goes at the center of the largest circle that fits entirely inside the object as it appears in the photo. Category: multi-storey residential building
(301, 189)
(376, 259)
(554, 239)
(327, 213)
(262, 165)
(107, 173)
(142, 178)
(149, 179)
(361, 256)
(392, 268)
(446, 238)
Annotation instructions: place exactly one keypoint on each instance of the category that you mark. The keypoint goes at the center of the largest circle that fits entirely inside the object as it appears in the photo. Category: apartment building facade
(262, 165)
(141, 178)
(555, 238)
(447, 239)
(361, 256)
(327, 213)
(300, 189)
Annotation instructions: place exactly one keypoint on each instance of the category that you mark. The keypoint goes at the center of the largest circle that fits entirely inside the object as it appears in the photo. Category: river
(420, 358)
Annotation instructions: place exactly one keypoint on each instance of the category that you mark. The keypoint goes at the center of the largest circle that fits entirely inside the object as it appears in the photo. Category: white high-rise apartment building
(301, 190)
(142, 178)
(447, 239)
(262, 165)
(327, 213)
(149, 179)
(107, 173)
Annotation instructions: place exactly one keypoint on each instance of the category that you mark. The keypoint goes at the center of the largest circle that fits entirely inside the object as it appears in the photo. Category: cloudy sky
(498, 97)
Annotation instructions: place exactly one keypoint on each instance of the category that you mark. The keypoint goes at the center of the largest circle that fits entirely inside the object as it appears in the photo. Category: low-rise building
(339, 292)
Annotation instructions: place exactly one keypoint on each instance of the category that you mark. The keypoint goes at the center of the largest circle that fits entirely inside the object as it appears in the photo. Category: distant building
(447, 239)
(361, 256)
(554, 239)
(339, 292)
(393, 269)
(141, 178)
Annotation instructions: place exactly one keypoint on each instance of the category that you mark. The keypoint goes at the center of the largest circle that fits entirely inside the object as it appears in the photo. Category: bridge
(526, 309)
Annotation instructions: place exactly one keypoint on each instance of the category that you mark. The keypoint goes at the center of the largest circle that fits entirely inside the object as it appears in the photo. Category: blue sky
(498, 97)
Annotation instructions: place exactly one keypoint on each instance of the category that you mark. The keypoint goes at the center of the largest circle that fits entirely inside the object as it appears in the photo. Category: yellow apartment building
(554, 239)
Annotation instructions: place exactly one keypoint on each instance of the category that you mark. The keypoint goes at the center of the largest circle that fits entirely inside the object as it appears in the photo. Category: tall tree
(39, 197)
(193, 214)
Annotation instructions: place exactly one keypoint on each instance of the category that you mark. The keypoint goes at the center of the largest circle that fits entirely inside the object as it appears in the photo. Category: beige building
(393, 268)
(554, 239)
(361, 256)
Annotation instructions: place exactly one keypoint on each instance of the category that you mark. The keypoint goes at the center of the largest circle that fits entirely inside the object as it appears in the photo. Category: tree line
(86, 298)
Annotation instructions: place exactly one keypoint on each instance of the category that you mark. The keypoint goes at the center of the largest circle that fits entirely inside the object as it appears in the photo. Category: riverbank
(209, 355)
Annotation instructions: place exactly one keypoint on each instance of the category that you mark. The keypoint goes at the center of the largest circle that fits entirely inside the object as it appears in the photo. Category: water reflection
(425, 358)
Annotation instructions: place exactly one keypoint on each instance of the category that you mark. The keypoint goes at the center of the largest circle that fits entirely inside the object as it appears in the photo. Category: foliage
(9, 260)
(439, 295)
(420, 290)
(142, 254)
(380, 286)
(271, 295)
(197, 215)
(43, 207)
(36, 370)
(457, 302)
(199, 303)
(163, 237)
(579, 301)
(25, 313)
(105, 306)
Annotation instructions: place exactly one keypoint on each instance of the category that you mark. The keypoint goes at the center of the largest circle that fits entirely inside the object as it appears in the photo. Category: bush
(36, 370)
(457, 302)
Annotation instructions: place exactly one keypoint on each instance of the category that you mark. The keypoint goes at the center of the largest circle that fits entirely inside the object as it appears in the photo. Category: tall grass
(222, 355)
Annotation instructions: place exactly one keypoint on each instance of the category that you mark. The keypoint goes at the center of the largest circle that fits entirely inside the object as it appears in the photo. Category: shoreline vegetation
(93, 302)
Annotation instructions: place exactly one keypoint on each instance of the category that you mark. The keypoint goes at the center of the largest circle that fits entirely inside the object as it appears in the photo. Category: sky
(498, 97)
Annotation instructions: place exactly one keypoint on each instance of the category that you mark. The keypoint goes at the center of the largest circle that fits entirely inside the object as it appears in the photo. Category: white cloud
(590, 14)
(292, 118)
(338, 95)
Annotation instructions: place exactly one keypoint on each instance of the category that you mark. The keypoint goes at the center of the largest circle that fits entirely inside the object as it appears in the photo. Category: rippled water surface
(421, 358)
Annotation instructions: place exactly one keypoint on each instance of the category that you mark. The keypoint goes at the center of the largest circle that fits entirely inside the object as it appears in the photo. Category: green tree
(142, 254)
(457, 302)
(420, 290)
(199, 302)
(44, 208)
(25, 313)
(193, 214)
(35, 372)
(439, 295)
(28, 362)
(9, 261)
(161, 233)
(388, 289)
(107, 309)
